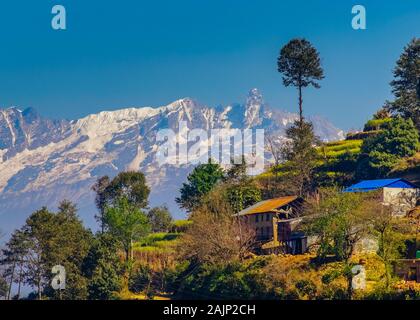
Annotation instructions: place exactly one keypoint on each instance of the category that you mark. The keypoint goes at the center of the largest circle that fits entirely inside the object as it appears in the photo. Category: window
(267, 217)
(256, 217)
(268, 231)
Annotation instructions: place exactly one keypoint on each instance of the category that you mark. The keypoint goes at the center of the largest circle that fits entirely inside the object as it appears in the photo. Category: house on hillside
(401, 194)
(275, 222)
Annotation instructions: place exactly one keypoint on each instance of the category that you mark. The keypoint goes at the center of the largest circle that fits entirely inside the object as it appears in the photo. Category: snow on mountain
(43, 161)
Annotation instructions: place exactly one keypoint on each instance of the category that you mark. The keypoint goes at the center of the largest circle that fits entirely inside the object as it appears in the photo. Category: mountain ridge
(43, 161)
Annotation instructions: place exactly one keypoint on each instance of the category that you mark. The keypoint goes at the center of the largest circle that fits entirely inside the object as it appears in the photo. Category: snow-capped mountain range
(43, 161)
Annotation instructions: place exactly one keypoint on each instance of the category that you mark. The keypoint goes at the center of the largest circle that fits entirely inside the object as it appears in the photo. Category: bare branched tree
(216, 235)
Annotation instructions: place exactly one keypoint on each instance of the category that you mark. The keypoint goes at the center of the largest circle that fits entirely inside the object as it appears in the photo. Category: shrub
(377, 124)
(180, 226)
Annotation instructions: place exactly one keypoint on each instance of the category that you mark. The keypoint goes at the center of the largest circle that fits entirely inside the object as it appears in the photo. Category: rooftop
(270, 205)
(370, 185)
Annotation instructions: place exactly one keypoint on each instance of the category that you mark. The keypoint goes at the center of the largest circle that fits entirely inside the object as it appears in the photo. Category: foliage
(381, 152)
(130, 185)
(180, 226)
(103, 268)
(215, 234)
(301, 156)
(377, 124)
(300, 65)
(389, 232)
(231, 280)
(3, 287)
(243, 195)
(127, 224)
(241, 191)
(203, 178)
(101, 196)
(158, 242)
(154, 239)
(406, 84)
(141, 279)
(48, 239)
(361, 135)
(160, 219)
(13, 259)
(338, 220)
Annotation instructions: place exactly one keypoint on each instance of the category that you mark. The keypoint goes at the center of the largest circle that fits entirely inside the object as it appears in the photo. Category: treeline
(95, 264)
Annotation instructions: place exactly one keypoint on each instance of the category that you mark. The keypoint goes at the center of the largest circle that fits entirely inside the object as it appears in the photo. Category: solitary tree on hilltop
(300, 65)
(406, 83)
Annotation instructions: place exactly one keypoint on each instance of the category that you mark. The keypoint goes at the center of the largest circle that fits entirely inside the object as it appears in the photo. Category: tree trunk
(20, 281)
(127, 254)
(387, 276)
(350, 286)
(300, 105)
(11, 281)
(39, 289)
(131, 250)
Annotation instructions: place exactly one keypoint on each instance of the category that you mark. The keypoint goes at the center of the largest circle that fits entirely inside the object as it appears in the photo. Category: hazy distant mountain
(43, 161)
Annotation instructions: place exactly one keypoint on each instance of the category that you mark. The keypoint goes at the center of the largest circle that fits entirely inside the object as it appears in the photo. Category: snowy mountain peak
(109, 122)
(253, 108)
(254, 97)
(43, 161)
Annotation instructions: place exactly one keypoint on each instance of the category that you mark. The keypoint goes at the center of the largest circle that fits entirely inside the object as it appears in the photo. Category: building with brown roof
(275, 222)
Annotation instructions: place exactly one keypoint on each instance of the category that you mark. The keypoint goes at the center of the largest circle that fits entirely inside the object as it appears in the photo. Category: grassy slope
(158, 242)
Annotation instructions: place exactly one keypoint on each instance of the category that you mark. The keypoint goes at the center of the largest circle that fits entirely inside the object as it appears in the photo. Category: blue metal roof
(369, 185)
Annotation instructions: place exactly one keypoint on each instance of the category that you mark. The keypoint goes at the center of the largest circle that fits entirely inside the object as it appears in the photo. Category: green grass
(339, 148)
(157, 242)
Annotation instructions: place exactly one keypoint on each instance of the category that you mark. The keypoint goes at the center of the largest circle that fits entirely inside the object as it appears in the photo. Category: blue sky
(134, 53)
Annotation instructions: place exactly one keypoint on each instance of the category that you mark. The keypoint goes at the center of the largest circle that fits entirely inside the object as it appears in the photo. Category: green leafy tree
(381, 152)
(406, 84)
(160, 219)
(243, 195)
(48, 239)
(389, 231)
(127, 223)
(69, 247)
(40, 232)
(200, 182)
(237, 171)
(339, 220)
(3, 287)
(241, 190)
(300, 65)
(14, 260)
(100, 188)
(102, 267)
(301, 156)
(130, 185)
